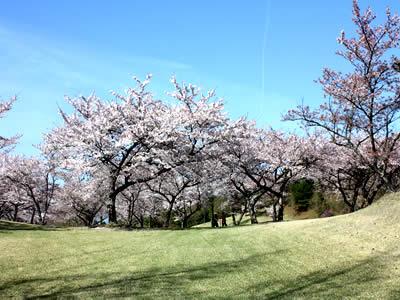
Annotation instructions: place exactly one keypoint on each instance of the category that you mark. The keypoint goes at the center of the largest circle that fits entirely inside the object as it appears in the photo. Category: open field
(356, 255)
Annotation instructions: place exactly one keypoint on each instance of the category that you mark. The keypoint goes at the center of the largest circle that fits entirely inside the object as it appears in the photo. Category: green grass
(290, 215)
(349, 256)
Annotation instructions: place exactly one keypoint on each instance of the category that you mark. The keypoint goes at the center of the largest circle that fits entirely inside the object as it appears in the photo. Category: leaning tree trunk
(91, 218)
(167, 222)
(242, 213)
(350, 202)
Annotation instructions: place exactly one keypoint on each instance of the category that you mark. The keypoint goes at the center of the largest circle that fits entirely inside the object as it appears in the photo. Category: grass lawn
(289, 215)
(355, 255)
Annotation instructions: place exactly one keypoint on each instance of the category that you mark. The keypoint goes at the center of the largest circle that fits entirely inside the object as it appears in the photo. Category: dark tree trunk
(33, 215)
(240, 217)
(112, 211)
(167, 222)
(141, 222)
(15, 216)
(234, 219)
(223, 223)
(185, 222)
(214, 217)
(280, 210)
(212, 214)
(253, 214)
(91, 220)
(280, 213)
(87, 218)
(130, 214)
(274, 213)
(39, 214)
(205, 215)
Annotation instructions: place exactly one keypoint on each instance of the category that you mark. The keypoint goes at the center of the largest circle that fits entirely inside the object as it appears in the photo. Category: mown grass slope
(356, 255)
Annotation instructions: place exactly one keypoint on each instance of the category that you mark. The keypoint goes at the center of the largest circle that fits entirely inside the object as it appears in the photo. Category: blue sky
(261, 56)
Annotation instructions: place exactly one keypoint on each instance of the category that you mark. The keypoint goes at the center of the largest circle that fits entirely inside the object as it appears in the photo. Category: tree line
(137, 160)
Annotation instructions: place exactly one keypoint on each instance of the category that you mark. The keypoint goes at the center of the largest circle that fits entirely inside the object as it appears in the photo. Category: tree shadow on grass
(366, 276)
(11, 226)
(154, 282)
(394, 294)
(209, 280)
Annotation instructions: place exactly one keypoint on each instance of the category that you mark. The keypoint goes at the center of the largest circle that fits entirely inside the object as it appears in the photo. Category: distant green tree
(302, 191)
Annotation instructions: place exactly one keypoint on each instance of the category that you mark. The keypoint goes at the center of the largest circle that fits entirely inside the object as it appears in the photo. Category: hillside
(355, 255)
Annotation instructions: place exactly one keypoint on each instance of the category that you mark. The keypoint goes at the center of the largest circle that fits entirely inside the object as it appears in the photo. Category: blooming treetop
(6, 143)
(136, 138)
(363, 109)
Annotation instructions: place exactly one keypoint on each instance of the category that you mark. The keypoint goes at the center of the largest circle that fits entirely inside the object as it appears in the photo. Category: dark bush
(301, 193)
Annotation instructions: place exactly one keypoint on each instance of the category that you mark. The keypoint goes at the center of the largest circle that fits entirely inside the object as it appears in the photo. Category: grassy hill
(355, 255)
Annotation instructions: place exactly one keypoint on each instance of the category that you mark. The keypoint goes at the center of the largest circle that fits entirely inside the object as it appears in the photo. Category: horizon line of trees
(140, 161)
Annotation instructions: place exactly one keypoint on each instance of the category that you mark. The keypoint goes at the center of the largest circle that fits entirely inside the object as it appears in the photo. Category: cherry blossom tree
(170, 187)
(136, 204)
(117, 136)
(192, 201)
(6, 143)
(134, 137)
(13, 202)
(339, 170)
(264, 162)
(239, 204)
(363, 107)
(244, 196)
(239, 152)
(208, 179)
(37, 180)
(82, 196)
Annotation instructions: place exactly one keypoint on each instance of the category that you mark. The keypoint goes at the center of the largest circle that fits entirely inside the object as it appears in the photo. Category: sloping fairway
(355, 255)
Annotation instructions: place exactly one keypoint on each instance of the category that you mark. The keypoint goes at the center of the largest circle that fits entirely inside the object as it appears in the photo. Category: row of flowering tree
(138, 160)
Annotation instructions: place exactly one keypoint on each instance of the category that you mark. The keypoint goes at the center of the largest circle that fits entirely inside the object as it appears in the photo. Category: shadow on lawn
(208, 280)
(155, 282)
(345, 282)
(10, 226)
